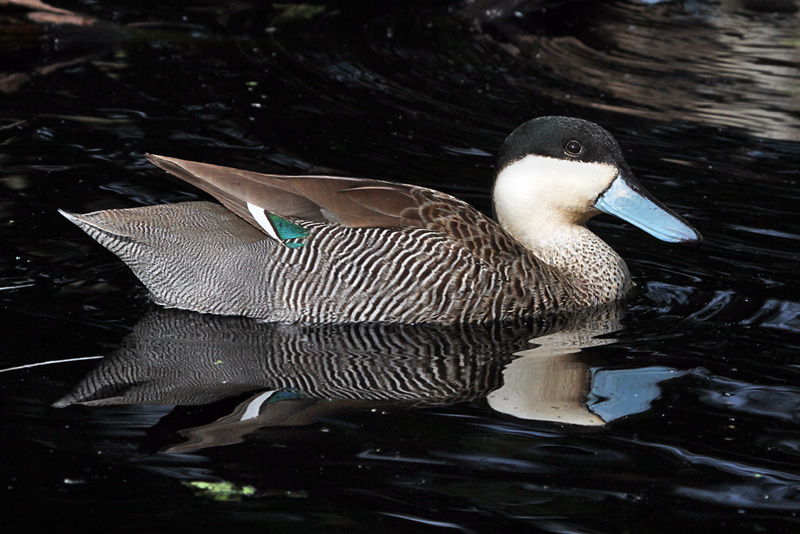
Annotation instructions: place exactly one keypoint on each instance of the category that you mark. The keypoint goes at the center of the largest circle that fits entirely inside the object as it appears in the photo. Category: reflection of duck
(175, 357)
(353, 250)
(292, 375)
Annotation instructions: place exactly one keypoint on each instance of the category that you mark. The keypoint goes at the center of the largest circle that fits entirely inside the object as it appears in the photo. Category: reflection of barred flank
(175, 357)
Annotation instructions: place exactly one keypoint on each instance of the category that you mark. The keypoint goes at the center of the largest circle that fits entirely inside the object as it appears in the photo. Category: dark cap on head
(561, 138)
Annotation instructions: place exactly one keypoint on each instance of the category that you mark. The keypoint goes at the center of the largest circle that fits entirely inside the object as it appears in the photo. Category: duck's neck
(598, 274)
(586, 259)
(544, 203)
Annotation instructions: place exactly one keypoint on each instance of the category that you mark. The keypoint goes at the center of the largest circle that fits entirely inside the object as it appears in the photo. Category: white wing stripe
(261, 218)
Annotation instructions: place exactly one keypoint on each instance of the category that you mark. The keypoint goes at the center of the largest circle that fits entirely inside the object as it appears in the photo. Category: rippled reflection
(703, 98)
(292, 374)
(724, 64)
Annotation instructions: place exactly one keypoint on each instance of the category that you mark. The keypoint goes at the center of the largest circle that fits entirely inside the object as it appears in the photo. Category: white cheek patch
(544, 183)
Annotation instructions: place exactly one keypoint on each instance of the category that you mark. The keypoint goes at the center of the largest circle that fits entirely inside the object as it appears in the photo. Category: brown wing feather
(313, 198)
(354, 202)
(397, 203)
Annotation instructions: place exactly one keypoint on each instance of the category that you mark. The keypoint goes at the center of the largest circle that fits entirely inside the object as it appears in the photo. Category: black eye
(573, 148)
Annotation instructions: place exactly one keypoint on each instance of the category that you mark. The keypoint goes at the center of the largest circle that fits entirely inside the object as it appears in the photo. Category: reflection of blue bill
(619, 392)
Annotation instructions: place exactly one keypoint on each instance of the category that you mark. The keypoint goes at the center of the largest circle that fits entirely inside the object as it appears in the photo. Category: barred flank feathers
(202, 257)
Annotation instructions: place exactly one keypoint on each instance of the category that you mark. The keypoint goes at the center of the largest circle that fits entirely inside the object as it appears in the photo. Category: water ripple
(777, 402)
(669, 62)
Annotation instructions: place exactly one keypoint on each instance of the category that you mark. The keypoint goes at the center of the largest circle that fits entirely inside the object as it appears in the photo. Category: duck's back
(202, 257)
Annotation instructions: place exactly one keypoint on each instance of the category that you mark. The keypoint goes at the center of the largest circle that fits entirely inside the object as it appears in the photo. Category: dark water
(684, 413)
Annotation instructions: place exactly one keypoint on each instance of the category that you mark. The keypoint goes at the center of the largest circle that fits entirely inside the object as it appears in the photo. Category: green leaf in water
(295, 12)
(220, 491)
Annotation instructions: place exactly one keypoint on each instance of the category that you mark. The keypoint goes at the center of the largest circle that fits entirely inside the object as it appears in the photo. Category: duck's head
(561, 170)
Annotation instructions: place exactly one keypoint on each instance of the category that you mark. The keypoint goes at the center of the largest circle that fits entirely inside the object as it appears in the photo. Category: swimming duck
(329, 249)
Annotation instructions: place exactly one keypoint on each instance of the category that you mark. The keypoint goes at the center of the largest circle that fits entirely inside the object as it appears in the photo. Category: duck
(333, 249)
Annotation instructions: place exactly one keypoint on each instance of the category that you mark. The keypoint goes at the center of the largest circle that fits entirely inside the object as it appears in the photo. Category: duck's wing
(353, 202)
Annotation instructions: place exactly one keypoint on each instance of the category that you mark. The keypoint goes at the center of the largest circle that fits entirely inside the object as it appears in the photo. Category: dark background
(703, 98)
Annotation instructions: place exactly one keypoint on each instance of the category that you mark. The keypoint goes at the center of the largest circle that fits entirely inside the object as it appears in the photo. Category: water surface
(683, 405)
